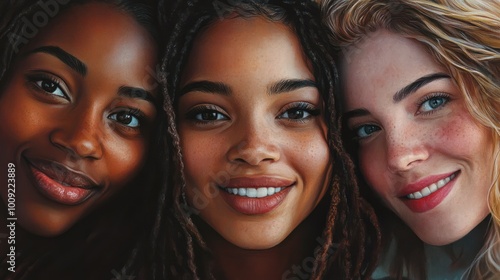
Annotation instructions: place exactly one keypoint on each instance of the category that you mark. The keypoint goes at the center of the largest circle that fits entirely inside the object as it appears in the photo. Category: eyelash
(300, 106)
(354, 132)
(297, 106)
(34, 78)
(420, 103)
(201, 109)
(444, 96)
(134, 112)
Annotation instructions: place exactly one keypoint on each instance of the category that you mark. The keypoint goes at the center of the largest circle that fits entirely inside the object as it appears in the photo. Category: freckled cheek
(310, 157)
(200, 154)
(461, 135)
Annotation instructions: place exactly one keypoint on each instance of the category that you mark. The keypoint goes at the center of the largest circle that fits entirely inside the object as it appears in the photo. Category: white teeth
(253, 192)
(440, 183)
(242, 191)
(426, 191)
(261, 192)
(430, 189)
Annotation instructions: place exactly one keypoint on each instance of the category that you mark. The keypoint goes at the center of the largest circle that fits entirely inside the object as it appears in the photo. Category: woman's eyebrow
(356, 113)
(418, 83)
(290, 85)
(64, 56)
(133, 92)
(206, 86)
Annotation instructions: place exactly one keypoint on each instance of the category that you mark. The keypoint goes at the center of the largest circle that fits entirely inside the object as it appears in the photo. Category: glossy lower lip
(431, 201)
(57, 192)
(256, 206)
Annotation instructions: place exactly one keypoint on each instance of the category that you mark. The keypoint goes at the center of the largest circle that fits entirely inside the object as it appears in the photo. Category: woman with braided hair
(421, 92)
(78, 114)
(263, 188)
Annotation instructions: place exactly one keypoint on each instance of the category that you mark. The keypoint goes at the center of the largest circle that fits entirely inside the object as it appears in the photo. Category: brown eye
(126, 118)
(299, 111)
(295, 114)
(51, 87)
(206, 114)
(48, 86)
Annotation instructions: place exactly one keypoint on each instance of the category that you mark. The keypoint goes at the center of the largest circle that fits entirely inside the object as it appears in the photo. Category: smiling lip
(61, 184)
(432, 189)
(256, 195)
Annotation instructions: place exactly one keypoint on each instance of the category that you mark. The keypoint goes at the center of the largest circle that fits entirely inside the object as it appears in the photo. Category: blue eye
(127, 118)
(366, 130)
(433, 103)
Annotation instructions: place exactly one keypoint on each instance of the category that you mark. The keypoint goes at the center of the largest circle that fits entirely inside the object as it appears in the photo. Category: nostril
(77, 144)
(239, 160)
(404, 159)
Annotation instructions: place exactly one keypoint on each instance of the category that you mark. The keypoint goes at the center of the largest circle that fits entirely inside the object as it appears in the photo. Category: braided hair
(350, 227)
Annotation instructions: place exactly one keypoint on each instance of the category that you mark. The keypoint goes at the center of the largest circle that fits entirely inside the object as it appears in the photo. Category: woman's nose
(255, 142)
(79, 135)
(405, 149)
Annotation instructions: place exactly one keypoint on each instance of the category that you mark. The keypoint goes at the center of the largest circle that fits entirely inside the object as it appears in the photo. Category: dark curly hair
(350, 227)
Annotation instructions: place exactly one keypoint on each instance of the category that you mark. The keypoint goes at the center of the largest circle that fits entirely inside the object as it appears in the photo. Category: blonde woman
(421, 96)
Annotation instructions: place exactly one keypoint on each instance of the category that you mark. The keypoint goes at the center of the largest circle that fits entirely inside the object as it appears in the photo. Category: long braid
(182, 228)
(307, 36)
(349, 192)
(346, 208)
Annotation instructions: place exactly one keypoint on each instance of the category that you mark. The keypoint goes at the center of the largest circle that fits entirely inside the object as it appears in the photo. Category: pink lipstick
(256, 195)
(61, 184)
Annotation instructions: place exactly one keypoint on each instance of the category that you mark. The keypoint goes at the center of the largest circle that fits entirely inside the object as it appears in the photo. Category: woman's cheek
(126, 160)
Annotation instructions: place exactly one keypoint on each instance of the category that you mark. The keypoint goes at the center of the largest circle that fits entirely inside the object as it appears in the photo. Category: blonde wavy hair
(464, 37)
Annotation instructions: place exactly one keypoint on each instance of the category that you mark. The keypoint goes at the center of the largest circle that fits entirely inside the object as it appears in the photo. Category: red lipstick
(429, 192)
